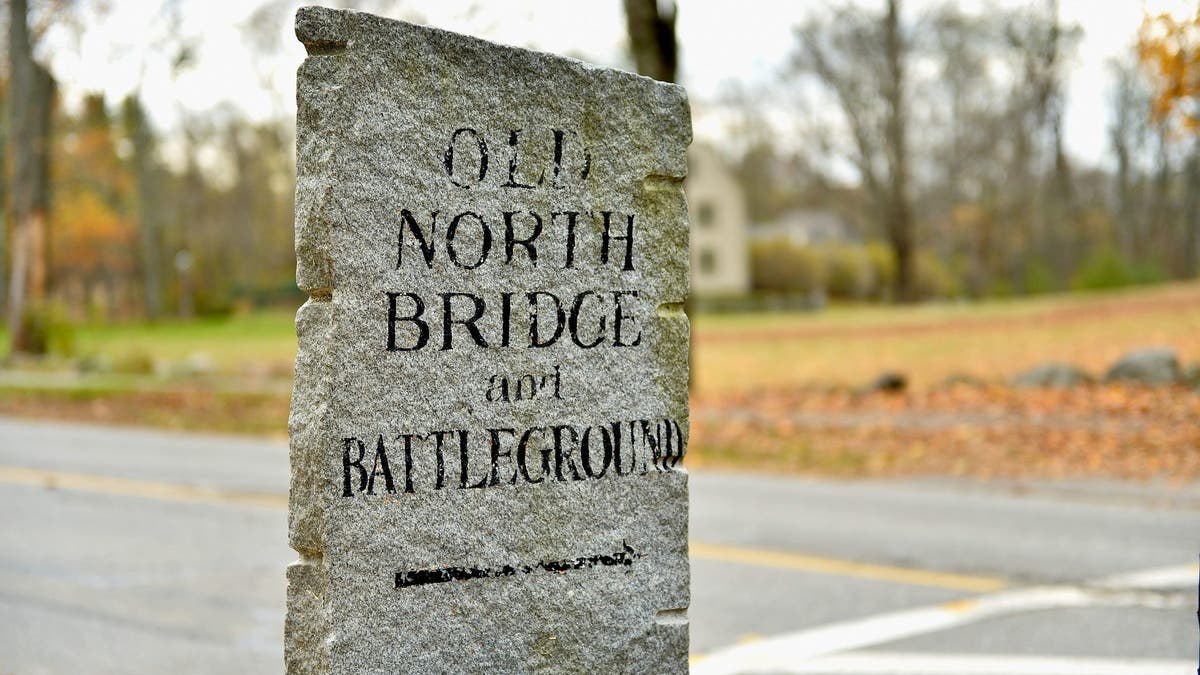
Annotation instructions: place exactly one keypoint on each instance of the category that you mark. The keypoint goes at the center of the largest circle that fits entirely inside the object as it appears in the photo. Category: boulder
(1149, 365)
(890, 381)
(1052, 374)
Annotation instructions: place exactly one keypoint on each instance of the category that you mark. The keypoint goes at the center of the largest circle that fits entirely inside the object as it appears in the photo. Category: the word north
(505, 456)
(563, 239)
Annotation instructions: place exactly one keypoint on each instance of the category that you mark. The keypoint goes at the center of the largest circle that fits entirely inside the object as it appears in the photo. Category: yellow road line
(127, 487)
(845, 568)
(175, 492)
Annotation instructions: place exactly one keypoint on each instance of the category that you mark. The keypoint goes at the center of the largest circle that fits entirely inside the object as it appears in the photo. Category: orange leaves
(90, 236)
(1170, 50)
(92, 229)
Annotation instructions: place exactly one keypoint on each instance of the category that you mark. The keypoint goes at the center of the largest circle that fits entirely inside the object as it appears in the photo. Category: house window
(708, 261)
(704, 214)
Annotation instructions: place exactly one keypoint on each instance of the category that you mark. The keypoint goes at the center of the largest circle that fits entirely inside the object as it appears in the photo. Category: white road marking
(787, 650)
(1176, 576)
(786, 653)
(883, 663)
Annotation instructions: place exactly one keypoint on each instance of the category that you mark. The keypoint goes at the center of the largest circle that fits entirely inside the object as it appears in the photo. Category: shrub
(845, 271)
(780, 267)
(134, 362)
(1148, 273)
(1103, 268)
(47, 331)
(883, 269)
(1001, 288)
(1038, 277)
(849, 271)
(934, 279)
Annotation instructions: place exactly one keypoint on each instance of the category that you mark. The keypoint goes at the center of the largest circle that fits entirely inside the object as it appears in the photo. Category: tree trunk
(1124, 189)
(31, 93)
(899, 211)
(148, 207)
(652, 38)
(5, 133)
(1160, 205)
(1191, 214)
(1063, 239)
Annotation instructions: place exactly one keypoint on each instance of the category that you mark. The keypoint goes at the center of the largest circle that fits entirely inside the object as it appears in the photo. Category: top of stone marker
(324, 29)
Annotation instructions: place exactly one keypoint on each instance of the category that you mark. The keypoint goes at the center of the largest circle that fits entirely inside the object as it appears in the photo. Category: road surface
(136, 551)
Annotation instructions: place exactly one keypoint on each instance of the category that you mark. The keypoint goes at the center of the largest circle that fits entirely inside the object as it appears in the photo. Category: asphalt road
(133, 551)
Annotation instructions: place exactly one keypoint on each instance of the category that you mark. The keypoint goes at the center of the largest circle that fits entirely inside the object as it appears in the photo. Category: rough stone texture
(1149, 365)
(1052, 374)
(555, 562)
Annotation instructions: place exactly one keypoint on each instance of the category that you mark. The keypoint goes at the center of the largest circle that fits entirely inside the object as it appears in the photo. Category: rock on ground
(1149, 365)
(1052, 374)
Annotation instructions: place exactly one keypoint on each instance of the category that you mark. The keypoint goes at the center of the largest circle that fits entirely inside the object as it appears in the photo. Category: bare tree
(146, 175)
(1040, 44)
(1190, 216)
(1130, 124)
(863, 62)
(962, 144)
(898, 209)
(1156, 186)
(31, 93)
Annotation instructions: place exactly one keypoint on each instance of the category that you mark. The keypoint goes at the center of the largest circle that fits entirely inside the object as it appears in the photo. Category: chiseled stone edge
(308, 624)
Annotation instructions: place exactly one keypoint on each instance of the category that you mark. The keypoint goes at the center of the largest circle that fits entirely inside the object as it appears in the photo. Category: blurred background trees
(108, 219)
(957, 118)
(934, 132)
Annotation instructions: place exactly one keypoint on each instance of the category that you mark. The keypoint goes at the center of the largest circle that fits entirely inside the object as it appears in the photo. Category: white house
(806, 227)
(717, 212)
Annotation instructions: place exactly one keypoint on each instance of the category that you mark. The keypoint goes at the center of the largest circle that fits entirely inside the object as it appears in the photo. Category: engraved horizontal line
(622, 558)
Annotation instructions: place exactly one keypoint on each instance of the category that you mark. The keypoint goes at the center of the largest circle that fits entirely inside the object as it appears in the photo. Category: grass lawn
(255, 342)
(773, 391)
(993, 340)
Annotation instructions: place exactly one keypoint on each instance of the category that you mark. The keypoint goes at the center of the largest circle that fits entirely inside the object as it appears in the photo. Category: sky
(120, 53)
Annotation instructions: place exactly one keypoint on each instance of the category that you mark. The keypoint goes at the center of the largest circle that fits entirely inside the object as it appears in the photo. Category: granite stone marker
(490, 405)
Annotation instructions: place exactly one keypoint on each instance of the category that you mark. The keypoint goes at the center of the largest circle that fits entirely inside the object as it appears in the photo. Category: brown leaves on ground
(192, 410)
(982, 431)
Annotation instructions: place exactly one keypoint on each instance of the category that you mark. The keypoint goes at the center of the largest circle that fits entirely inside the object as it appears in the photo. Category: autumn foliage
(93, 231)
(1169, 48)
